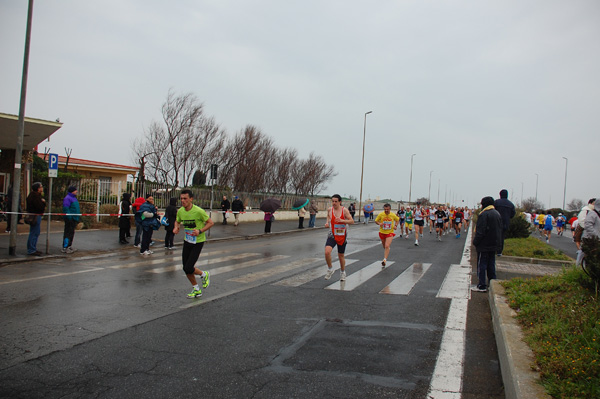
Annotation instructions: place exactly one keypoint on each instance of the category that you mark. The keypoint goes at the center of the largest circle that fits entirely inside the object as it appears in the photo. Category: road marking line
(358, 278)
(203, 262)
(303, 278)
(227, 269)
(447, 378)
(251, 277)
(54, 275)
(405, 282)
(456, 284)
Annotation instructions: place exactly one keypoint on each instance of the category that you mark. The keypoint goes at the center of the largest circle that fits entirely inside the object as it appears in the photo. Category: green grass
(531, 247)
(560, 316)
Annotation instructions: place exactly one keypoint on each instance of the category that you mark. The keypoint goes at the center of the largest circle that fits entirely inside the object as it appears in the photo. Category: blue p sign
(52, 165)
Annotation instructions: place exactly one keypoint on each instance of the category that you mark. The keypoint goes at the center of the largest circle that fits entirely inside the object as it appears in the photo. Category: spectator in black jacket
(488, 238)
(507, 211)
(171, 215)
(36, 204)
(237, 206)
(225, 205)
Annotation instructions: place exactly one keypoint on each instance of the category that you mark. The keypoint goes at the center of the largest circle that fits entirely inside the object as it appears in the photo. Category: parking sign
(52, 165)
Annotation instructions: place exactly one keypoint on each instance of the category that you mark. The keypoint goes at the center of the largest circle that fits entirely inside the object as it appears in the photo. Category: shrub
(518, 227)
(591, 247)
(109, 220)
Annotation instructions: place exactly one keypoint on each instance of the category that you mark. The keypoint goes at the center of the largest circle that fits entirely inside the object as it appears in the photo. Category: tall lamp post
(410, 185)
(429, 197)
(362, 169)
(565, 193)
(537, 178)
(12, 245)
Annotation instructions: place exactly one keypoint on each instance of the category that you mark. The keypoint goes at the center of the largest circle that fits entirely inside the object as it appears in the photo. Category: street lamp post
(522, 193)
(565, 193)
(362, 169)
(12, 245)
(410, 185)
(429, 196)
(537, 178)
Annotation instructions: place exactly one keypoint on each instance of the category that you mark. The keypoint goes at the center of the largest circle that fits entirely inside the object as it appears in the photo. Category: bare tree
(186, 139)
(531, 204)
(575, 205)
(318, 173)
(284, 163)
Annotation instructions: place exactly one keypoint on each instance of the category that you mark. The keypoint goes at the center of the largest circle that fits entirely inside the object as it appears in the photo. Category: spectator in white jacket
(581, 222)
(592, 221)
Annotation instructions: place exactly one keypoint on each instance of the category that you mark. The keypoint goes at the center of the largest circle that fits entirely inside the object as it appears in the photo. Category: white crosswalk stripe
(202, 262)
(405, 282)
(358, 278)
(251, 277)
(303, 278)
(238, 266)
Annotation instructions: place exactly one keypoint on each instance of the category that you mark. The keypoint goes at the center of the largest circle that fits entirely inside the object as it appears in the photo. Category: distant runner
(409, 221)
(439, 222)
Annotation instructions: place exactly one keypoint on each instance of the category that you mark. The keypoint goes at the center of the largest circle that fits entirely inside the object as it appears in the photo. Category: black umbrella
(300, 203)
(270, 205)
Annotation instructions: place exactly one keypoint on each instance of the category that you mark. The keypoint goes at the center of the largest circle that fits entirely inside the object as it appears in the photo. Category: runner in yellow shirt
(387, 222)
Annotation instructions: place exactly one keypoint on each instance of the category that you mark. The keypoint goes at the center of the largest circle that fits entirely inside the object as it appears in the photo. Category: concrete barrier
(516, 358)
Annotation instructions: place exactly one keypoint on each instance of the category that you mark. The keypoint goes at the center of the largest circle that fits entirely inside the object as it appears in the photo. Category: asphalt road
(117, 325)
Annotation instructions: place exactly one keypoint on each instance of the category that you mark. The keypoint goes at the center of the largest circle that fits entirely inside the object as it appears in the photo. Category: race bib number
(189, 237)
(440, 220)
(387, 225)
(457, 220)
(339, 229)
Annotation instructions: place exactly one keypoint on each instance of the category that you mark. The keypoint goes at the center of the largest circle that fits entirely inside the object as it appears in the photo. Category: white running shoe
(343, 276)
(146, 253)
(329, 273)
(417, 243)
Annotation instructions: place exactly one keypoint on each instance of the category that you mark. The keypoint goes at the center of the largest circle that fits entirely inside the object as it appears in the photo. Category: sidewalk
(108, 239)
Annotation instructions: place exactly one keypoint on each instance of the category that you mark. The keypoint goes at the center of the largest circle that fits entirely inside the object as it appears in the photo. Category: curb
(535, 261)
(520, 381)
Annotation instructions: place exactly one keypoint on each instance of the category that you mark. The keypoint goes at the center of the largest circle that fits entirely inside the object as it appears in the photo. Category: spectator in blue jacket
(506, 209)
(147, 214)
(71, 207)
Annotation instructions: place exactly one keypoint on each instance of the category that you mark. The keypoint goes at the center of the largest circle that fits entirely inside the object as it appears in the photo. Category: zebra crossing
(279, 270)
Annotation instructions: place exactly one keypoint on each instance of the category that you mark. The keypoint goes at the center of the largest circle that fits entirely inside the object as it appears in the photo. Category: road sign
(52, 165)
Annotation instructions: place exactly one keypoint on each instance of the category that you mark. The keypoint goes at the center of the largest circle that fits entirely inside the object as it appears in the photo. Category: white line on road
(54, 275)
(204, 262)
(446, 382)
(358, 278)
(404, 283)
(303, 278)
(251, 277)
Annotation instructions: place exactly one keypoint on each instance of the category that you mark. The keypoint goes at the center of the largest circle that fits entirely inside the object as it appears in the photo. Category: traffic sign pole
(52, 173)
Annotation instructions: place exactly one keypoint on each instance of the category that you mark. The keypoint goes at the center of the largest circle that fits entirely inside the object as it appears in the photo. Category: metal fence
(103, 192)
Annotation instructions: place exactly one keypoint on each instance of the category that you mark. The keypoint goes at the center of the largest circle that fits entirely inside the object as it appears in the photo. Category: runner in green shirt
(195, 222)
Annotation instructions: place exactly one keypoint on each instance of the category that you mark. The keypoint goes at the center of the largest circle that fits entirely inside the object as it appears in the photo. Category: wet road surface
(119, 325)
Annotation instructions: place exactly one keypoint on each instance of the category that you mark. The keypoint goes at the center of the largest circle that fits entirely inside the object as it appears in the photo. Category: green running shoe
(194, 294)
(206, 279)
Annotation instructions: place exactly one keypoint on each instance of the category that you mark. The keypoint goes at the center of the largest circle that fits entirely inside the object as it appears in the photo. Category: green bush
(109, 220)
(591, 247)
(87, 207)
(518, 227)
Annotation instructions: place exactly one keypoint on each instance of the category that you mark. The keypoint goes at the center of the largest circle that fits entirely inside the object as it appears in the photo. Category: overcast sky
(485, 93)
